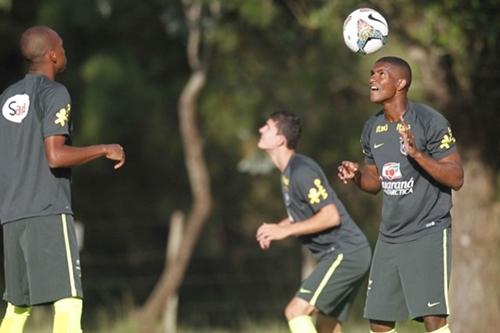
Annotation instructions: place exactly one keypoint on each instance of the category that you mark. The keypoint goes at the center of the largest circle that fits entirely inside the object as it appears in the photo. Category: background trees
(127, 68)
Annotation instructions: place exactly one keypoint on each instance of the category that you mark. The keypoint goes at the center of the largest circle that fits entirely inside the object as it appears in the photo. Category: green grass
(41, 322)
(281, 327)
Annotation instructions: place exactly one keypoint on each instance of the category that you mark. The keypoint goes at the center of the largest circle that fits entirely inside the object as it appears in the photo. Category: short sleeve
(56, 110)
(440, 139)
(365, 142)
(313, 188)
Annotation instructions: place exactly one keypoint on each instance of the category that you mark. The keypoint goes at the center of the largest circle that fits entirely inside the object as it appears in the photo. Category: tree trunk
(197, 172)
(175, 233)
(475, 278)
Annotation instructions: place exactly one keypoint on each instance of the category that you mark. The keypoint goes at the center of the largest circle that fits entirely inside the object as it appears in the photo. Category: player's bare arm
(285, 221)
(327, 217)
(61, 155)
(447, 171)
(366, 177)
(264, 244)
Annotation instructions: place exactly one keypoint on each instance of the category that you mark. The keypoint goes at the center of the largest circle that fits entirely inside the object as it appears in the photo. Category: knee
(382, 326)
(71, 305)
(290, 312)
(68, 313)
(298, 307)
(433, 323)
(18, 310)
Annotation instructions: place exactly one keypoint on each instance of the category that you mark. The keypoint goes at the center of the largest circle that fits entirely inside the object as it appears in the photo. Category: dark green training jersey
(414, 204)
(32, 109)
(305, 191)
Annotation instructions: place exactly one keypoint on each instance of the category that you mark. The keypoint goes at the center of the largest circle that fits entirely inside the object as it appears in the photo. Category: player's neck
(395, 108)
(281, 157)
(42, 70)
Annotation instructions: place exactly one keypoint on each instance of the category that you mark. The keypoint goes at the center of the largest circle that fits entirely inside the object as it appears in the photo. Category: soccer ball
(365, 31)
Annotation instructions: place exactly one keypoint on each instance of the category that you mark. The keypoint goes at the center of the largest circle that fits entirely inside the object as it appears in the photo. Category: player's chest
(388, 148)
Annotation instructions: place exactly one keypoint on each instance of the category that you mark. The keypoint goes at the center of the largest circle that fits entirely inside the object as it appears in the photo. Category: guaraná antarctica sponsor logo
(391, 171)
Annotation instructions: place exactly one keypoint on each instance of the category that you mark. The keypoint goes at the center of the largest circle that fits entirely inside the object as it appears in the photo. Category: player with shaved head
(41, 259)
(409, 154)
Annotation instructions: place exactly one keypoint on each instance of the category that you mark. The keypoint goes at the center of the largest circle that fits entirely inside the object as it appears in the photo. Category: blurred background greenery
(127, 66)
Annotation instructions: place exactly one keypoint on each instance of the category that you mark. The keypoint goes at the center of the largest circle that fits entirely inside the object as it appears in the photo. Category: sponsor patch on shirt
(16, 108)
(391, 171)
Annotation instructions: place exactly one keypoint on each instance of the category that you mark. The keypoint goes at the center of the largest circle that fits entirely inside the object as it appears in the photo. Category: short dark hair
(402, 64)
(289, 125)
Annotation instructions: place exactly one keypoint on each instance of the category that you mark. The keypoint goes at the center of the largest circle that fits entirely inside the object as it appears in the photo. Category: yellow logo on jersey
(382, 128)
(447, 140)
(285, 181)
(63, 116)
(400, 127)
(318, 193)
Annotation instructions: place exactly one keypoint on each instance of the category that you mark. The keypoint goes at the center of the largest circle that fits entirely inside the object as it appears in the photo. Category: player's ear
(402, 83)
(281, 140)
(52, 55)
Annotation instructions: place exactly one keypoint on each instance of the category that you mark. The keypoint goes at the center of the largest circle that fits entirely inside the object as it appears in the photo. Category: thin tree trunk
(197, 172)
(176, 230)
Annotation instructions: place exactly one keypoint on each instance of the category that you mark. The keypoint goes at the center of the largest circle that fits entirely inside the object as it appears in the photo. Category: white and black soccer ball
(365, 31)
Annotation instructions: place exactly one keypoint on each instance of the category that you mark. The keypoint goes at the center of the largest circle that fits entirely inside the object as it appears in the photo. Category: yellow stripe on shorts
(328, 274)
(445, 269)
(69, 257)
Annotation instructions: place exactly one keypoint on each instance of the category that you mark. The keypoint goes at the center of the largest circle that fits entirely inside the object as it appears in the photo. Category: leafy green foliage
(127, 66)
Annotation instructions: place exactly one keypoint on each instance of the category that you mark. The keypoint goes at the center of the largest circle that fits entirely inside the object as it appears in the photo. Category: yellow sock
(68, 314)
(302, 324)
(444, 329)
(15, 318)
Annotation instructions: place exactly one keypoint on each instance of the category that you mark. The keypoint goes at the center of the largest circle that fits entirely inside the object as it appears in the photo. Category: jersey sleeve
(56, 108)
(365, 142)
(440, 139)
(312, 187)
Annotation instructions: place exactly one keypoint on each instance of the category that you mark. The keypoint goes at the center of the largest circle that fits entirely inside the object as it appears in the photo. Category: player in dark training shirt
(410, 155)
(318, 218)
(41, 259)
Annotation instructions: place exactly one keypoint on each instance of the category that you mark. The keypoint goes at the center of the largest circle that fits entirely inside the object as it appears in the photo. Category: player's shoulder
(300, 164)
(52, 86)
(425, 113)
(370, 122)
(13, 87)
(300, 160)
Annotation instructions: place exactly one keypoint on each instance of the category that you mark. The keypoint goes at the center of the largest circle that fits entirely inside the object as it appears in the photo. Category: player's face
(383, 83)
(269, 136)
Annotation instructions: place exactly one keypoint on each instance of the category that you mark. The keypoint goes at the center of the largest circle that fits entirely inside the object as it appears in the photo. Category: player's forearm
(367, 182)
(285, 221)
(449, 172)
(69, 156)
(326, 218)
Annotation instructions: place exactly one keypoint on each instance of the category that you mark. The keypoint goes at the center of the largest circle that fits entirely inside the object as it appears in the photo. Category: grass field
(41, 322)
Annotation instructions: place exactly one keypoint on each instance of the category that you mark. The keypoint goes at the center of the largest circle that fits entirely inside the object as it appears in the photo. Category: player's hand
(408, 139)
(265, 245)
(268, 232)
(347, 171)
(115, 152)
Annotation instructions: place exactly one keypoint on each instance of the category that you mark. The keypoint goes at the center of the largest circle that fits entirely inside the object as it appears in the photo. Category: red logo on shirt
(391, 171)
